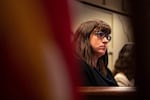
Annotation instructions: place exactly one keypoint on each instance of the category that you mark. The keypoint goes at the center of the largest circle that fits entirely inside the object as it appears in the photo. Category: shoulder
(120, 75)
(121, 79)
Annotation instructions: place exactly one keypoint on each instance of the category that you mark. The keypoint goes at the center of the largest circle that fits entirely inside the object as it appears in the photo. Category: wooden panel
(107, 90)
(108, 93)
(117, 6)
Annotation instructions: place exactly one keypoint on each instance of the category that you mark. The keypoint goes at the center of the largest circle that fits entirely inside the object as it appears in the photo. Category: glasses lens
(108, 37)
(102, 34)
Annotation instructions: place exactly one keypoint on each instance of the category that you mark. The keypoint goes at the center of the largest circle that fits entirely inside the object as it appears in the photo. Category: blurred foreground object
(36, 53)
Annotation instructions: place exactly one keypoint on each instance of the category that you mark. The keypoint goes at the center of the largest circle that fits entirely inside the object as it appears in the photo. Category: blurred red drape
(37, 60)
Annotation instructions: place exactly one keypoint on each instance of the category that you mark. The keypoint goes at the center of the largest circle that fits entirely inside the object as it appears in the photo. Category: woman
(91, 39)
(124, 71)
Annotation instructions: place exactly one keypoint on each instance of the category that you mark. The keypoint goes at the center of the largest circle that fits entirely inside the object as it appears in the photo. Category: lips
(102, 47)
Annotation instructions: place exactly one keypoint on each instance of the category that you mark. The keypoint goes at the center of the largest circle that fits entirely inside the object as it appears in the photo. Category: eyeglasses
(101, 34)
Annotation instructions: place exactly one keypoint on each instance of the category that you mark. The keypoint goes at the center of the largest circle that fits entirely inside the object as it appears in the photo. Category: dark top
(93, 77)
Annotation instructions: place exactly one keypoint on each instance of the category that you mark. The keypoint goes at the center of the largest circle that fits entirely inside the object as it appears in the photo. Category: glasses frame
(102, 35)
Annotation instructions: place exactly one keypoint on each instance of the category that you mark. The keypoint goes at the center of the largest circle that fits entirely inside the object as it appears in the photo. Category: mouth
(102, 47)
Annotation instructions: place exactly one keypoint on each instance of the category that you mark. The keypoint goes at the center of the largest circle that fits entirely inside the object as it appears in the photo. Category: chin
(102, 53)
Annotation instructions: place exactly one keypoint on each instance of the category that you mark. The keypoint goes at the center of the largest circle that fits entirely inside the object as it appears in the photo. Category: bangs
(104, 28)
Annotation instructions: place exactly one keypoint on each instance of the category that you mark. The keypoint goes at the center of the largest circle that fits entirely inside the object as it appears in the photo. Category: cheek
(94, 42)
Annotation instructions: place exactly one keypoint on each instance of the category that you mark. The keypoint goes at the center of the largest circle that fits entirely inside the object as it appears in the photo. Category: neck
(102, 67)
(95, 59)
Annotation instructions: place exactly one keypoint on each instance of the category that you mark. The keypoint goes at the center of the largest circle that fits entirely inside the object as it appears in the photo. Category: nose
(105, 40)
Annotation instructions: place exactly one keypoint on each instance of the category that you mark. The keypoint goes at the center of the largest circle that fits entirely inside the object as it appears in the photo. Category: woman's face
(98, 43)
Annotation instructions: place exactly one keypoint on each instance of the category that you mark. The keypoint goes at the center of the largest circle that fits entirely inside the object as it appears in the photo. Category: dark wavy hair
(126, 61)
(82, 45)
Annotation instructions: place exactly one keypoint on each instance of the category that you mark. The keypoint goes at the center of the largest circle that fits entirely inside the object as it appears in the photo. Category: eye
(100, 33)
